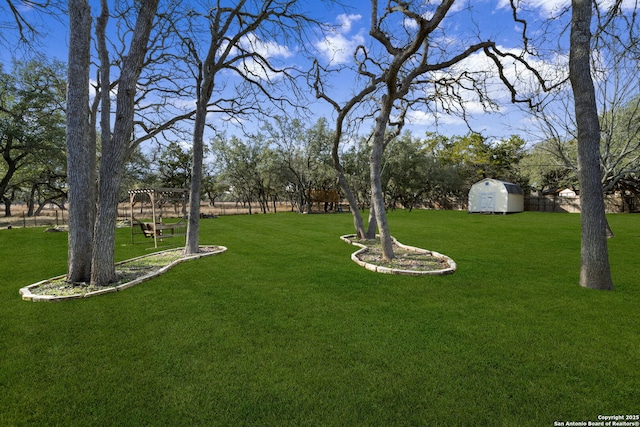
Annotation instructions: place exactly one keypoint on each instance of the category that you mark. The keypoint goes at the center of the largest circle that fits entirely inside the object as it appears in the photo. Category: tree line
(286, 160)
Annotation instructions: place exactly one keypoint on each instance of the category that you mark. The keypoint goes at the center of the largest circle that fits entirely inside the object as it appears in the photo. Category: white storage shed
(494, 196)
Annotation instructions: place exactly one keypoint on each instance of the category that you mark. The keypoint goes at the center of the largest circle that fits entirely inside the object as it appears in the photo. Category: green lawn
(285, 330)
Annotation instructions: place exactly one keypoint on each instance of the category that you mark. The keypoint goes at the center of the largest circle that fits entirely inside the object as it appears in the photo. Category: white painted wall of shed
(482, 192)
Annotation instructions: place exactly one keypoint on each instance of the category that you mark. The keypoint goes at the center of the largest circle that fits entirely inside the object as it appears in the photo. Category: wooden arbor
(326, 200)
(156, 199)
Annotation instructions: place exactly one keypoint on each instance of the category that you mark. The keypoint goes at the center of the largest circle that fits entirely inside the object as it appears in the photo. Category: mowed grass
(285, 330)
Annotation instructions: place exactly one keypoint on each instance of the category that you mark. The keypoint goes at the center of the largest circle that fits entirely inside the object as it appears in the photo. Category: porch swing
(157, 198)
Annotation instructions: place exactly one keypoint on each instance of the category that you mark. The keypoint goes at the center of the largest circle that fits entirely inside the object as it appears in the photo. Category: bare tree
(594, 262)
(615, 60)
(116, 149)
(13, 19)
(615, 56)
(343, 113)
(143, 86)
(238, 40)
(406, 69)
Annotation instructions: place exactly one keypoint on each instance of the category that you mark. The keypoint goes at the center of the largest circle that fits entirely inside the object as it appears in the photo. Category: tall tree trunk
(116, 151)
(375, 163)
(358, 222)
(81, 193)
(193, 227)
(103, 269)
(594, 260)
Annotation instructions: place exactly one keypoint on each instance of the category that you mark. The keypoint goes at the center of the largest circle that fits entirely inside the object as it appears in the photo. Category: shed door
(488, 201)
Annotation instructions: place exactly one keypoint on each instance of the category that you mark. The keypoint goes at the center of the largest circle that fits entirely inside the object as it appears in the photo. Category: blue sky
(467, 20)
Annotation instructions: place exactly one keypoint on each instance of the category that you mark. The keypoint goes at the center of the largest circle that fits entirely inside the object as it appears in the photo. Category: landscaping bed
(408, 260)
(129, 273)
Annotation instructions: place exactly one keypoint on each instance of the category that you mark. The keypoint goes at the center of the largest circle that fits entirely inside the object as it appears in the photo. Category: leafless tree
(407, 66)
(615, 60)
(615, 57)
(115, 150)
(146, 81)
(151, 91)
(233, 55)
(18, 16)
(603, 123)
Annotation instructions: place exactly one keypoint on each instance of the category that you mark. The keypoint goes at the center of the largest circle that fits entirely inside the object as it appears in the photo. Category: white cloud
(254, 69)
(549, 6)
(345, 21)
(473, 109)
(553, 6)
(524, 81)
(268, 49)
(338, 47)
(429, 118)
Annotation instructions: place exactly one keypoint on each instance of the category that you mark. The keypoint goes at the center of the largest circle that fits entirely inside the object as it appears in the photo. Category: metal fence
(206, 210)
(49, 218)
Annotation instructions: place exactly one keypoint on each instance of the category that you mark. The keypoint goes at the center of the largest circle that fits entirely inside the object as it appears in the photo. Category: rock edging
(27, 295)
(349, 238)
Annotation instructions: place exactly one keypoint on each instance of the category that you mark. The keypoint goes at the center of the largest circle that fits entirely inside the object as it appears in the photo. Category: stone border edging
(26, 294)
(386, 270)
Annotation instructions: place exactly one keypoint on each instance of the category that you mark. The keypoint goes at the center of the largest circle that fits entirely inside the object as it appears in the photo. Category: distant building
(495, 196)
(567, 192)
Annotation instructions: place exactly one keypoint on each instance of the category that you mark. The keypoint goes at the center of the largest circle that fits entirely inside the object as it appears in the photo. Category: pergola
(157, 198)
(330, 199)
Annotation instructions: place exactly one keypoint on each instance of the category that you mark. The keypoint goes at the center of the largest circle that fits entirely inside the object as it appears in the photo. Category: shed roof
(512, 188)
(509, 186)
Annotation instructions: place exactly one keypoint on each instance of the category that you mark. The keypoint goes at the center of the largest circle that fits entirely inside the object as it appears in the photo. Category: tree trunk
(594, 261)
(103, 269)
(308, 197)
(81, 193)
(358, 222)
(31, 201)
(375, 164)
(193, 228)
(7, 207)
(116, 151)
(6, 179)
(373, 225)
